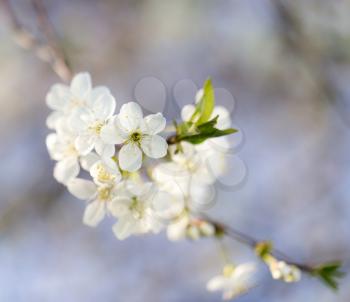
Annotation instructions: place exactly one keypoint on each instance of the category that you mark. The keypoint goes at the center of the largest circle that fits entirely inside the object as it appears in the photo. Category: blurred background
(284, 70)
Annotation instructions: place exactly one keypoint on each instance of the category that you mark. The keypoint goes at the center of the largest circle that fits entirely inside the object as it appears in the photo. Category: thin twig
(252, 243)
(46, 52)
(60, 63)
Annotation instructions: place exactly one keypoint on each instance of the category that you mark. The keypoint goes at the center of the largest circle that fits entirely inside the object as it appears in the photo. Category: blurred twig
(252, 243)
(50, 51)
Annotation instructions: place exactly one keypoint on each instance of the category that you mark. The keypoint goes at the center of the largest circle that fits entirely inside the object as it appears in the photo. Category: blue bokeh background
(285, 74)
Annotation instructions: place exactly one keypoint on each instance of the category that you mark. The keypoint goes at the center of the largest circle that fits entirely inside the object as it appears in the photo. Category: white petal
(167, 206)
(216, 283)
(88, 160)
(104, 106)
(84, 144)
(124, 227)
(224, 119)
(199, 95)
(51, 143)
(168, 172)
(81, 188)
(80, 119)
(94, 213)
(58, 97)
(96, 92)
(187, 112)
(66, 170)
(112, 134)
(81, 85)
(104, 150)
(245, 271)
(154, 146)
(177, 230)
(53, 119)
(202, 196)
(130, 116)
(154, 123)
(130, 157)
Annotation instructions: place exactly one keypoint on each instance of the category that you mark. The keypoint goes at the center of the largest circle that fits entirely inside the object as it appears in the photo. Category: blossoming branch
(149, 182)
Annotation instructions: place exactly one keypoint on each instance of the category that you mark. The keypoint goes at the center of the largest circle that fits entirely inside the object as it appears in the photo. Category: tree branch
(48, 52)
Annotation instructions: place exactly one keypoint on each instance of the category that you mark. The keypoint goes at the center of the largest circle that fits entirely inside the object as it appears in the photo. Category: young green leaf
(329, 273)
(205, 106)
(206, 131)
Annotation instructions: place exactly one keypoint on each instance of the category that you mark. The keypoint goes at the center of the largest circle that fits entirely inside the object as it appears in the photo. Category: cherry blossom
(138, 135)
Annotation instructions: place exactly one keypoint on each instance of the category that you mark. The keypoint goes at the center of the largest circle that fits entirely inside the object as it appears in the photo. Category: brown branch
(47, 52)
(60, 62)
(251, 242)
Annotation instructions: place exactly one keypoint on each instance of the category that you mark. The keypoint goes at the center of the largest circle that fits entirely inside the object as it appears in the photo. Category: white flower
(171, 178)
(204, 165)
(63, 99)
(105, 172)
(137, 134)
(186, 226)
(88, 121)
(234, 281)
(100, 195)
(61, 147)
(134, 207)
(281, 270)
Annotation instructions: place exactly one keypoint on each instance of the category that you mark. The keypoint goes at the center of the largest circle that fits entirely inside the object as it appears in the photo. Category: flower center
(228, 270)
(104, 193)
(136, 137)
(96, 127)
(136, 208)
(71, 150)
(104, 175)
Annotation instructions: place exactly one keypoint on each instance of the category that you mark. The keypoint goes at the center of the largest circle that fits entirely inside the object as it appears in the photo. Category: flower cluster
(123, 168)
(113, 148)
(87, 133)
(280, 270)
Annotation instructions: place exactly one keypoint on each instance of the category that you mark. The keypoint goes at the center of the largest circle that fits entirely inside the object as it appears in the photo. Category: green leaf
(205, 106)
(329, 274)
(206, 131)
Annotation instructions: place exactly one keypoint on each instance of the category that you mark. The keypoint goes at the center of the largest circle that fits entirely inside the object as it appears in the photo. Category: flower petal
(51, 144)
(58, 97)
(167, 206)
(88, 160)
(66, 169)
(224, 119)
(112, 134)
(153, 124)
(94, 213)
(84, 143)
(177, 230)
(81, 85)
(80, 119)
(130, 116)
(187, 112)
(53, 119)
(104, 106)
(154, 146)
(82, 188)
(96, 92)
(124, 227)
(130, 157)
(216, 283)
(104, 150)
